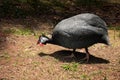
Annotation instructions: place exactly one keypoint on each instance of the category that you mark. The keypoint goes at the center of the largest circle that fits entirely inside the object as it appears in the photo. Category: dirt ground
(22, 59)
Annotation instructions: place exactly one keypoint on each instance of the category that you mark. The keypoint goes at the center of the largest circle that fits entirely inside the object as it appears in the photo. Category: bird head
(42, 40)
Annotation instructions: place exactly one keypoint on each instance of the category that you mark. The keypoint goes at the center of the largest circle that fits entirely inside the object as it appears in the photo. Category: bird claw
(85, 58)
(72, 55)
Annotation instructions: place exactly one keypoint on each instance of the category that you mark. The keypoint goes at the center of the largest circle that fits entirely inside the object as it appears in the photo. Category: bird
(77, 32)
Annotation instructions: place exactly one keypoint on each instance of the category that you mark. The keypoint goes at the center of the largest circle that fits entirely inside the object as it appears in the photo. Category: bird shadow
(65, 56)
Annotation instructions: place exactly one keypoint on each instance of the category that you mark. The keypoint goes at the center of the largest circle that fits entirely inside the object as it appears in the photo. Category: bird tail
(106, 39)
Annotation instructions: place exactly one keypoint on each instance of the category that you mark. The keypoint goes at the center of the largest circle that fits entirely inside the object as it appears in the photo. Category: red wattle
(41, 44)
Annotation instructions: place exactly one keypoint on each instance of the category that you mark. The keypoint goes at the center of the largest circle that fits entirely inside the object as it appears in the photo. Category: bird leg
(87, 55)
(73, 53)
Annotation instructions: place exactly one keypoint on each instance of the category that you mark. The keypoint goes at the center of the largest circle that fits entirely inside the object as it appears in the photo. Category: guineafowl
(80, 31)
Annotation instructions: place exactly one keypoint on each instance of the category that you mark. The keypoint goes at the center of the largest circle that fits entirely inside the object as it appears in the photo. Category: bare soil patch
(22, 59)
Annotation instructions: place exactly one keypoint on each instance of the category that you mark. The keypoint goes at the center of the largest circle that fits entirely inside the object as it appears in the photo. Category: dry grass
(22, 59)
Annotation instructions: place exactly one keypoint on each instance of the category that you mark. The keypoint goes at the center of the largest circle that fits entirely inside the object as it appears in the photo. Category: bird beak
(40, 43)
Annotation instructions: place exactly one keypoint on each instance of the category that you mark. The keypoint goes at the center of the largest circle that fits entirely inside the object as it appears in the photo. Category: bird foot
(85, 58)
(72, 55)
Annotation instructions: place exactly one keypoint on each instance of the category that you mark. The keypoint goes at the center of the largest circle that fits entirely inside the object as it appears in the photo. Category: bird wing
(78, 30)
(91, 19)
